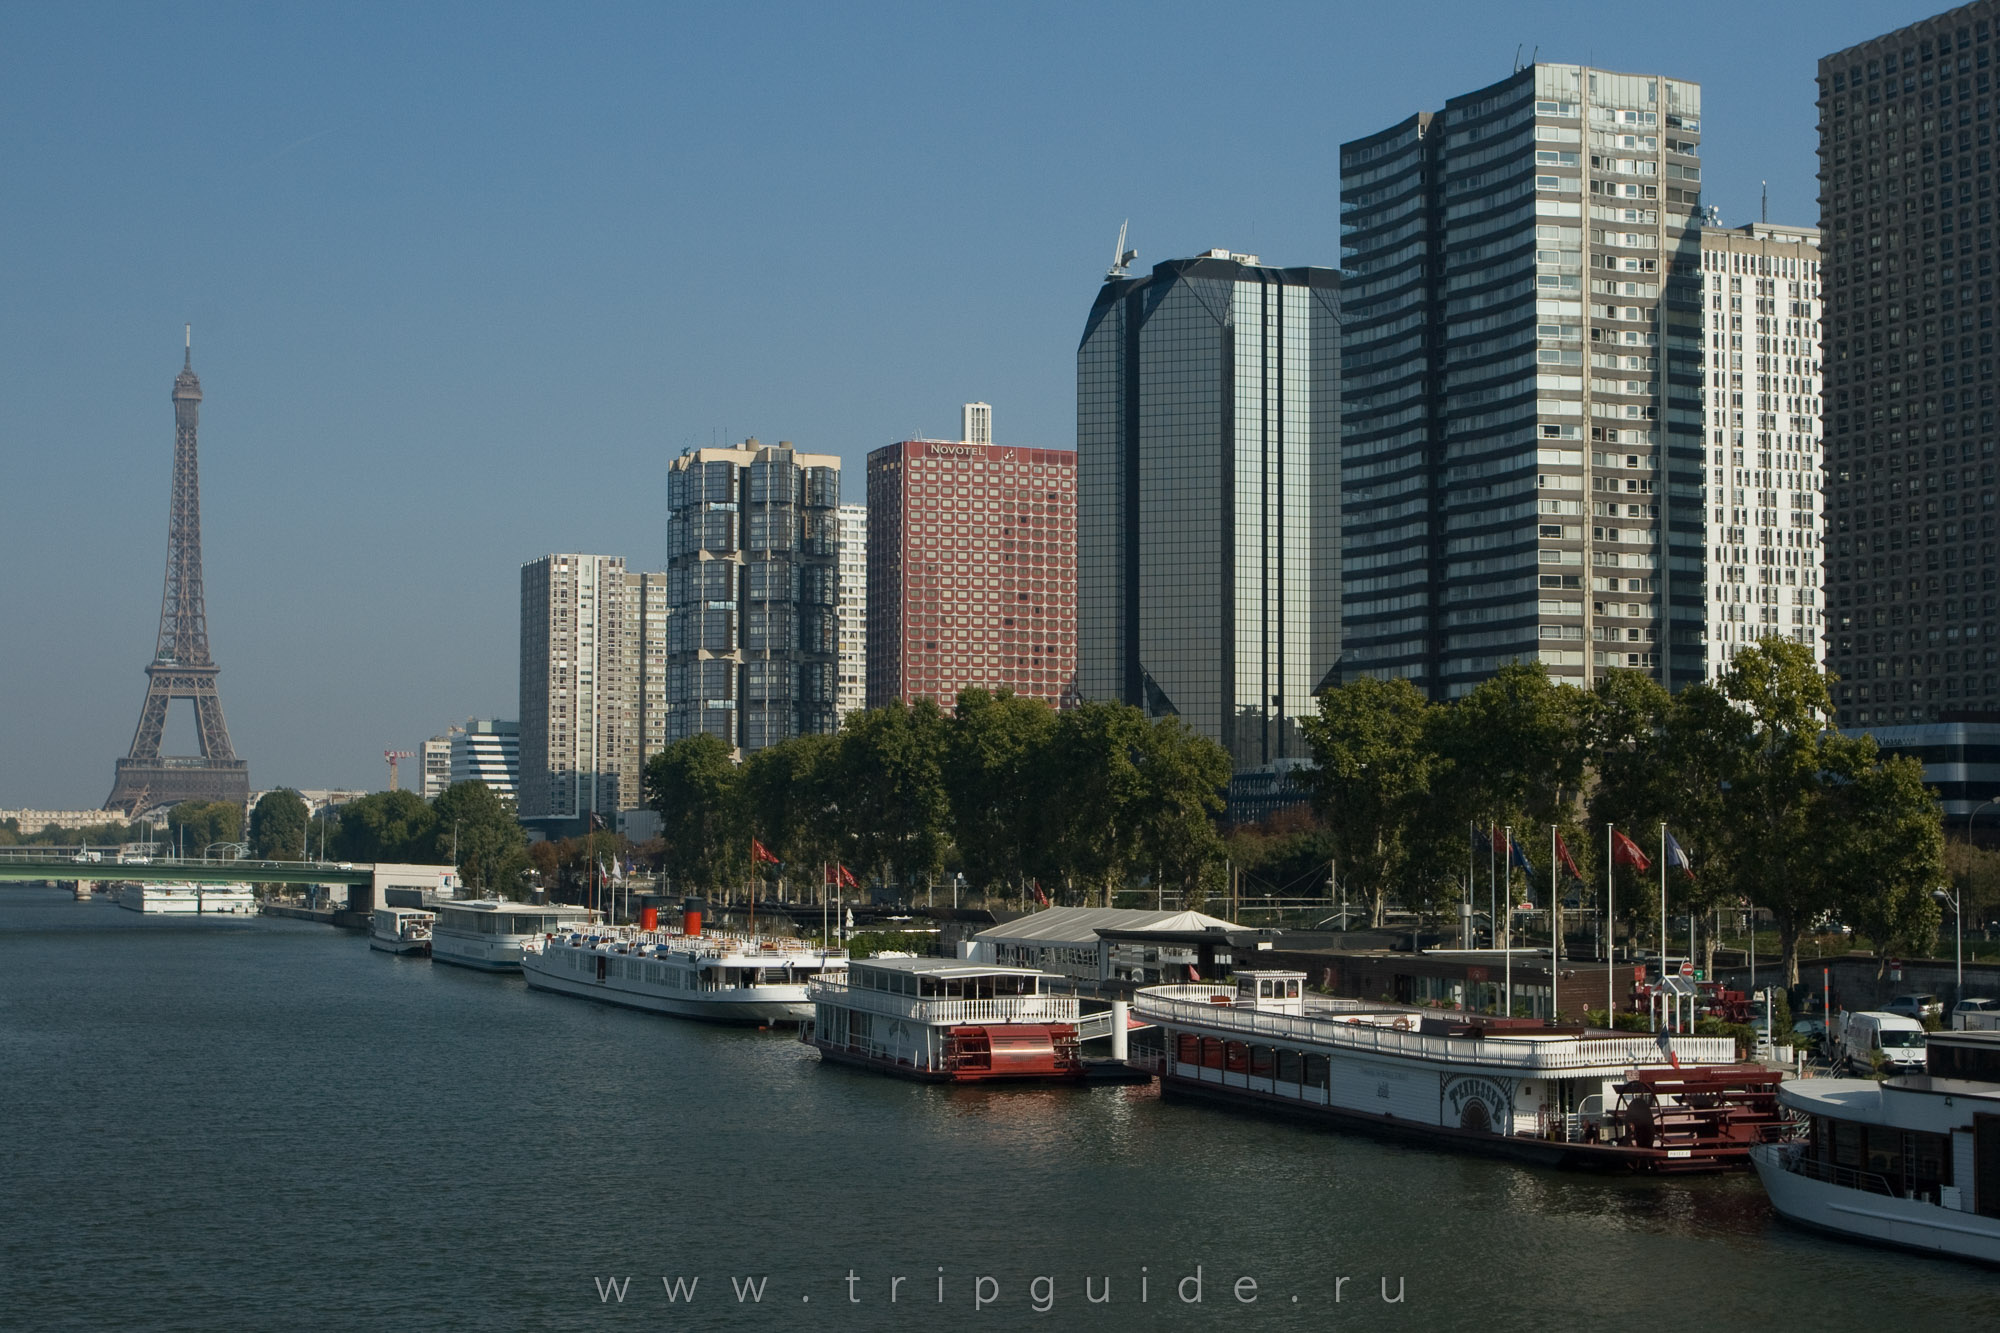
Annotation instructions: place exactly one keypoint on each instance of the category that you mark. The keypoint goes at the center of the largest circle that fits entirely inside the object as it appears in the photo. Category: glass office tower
(1208, 496)
(1521, 463)
(1907, 186)
(754, 587)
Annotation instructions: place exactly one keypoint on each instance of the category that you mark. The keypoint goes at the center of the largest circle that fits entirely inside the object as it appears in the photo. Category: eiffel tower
(181, 667)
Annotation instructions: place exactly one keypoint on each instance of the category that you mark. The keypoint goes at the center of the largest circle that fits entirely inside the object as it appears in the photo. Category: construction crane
(392, 756)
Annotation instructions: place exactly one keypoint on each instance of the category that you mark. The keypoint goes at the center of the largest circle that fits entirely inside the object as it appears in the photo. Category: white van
(1897, 1040)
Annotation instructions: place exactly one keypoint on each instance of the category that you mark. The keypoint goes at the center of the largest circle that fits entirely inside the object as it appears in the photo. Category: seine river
(265, 1125)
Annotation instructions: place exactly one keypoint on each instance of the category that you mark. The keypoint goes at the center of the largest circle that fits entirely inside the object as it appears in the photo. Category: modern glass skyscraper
(1208, 496)
(1906, 215)
(754, 587)
(1522, 295)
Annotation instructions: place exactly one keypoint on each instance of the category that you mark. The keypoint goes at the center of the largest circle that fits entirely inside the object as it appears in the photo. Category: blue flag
(1520, 858)
(1678, 858)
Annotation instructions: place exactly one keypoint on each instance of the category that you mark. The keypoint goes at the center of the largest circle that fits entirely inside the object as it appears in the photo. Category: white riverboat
(943, 1020)
(687, 973)
(1511, 1087)
(489, 934)
(1912, 1161)
(189, 899)
(400, 930)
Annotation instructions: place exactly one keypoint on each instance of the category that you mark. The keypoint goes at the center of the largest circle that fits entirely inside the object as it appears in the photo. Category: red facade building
(971, 571)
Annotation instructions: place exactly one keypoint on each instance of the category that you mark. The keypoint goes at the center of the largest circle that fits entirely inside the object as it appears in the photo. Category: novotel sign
(957, 450)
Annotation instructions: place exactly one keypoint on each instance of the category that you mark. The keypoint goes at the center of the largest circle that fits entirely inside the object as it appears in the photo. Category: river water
(265, 1124)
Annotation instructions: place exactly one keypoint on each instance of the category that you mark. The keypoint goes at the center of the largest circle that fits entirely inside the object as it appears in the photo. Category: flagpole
(1663, 907)
(1610, 924)
(1492, 893)
(1471, 863)
(1507, 1007)
(1555, 922)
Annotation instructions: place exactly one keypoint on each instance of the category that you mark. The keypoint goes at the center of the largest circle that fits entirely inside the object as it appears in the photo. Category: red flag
(1625, 852)
(1499, 841)
(845, 878)
(759, 852)
(1567, 861)
(1040, 897)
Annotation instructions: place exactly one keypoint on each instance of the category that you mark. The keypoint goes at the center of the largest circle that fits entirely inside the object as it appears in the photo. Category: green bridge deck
(187, 871)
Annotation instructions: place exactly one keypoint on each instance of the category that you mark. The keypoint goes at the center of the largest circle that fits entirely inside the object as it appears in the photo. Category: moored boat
(1569, 1097)
(687, 973)
(488, 934)
(947, 1021)
(400, 930)
(1912, 1161)
(188, 899)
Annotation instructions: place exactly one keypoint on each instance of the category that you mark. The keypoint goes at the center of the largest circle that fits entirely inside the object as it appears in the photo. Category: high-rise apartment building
(753, 638)
(1906, 221)
(1761, 311)
(579, 714)
(1208, 471)
(971, 568)
(1524, 342)
(853, 692)
(436, 756)
(647, 607)
(488, 750)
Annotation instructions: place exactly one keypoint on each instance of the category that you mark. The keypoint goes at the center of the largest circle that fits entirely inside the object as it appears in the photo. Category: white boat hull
(762, 1005)
(1865, 1215)
(397, 945)
(486, 953)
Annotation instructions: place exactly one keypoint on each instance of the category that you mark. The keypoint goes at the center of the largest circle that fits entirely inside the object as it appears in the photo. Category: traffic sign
(1687, 969)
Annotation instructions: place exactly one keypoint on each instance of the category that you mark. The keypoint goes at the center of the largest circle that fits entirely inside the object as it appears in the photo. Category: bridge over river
(368, 882)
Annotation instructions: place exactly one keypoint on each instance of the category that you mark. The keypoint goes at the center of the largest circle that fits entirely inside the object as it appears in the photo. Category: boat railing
(948, 1013)
(1794, 1158)
(1212, 1006)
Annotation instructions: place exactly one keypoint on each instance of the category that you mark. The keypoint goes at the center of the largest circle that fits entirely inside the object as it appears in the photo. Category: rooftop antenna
(1517, 56)
(1121, 258)
(1764, 208)
(187, 360)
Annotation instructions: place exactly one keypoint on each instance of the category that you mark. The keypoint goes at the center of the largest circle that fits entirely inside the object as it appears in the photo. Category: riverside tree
(278, 826)
(479, 828)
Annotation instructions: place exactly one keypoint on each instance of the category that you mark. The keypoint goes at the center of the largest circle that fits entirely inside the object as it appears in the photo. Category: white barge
(189, 899)
(942, 1020)
(489, 935)
(1911, 1162)
(686, 973)
(401, 930)
(1560, 1096)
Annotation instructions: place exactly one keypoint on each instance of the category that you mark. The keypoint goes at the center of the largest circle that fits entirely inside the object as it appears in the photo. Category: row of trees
(466, 824)
(1775, 808)
(1003, 788)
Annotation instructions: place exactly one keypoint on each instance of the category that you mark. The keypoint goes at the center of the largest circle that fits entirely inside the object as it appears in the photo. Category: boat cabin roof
(1864, 1101)
(501, 907)
(945, 968)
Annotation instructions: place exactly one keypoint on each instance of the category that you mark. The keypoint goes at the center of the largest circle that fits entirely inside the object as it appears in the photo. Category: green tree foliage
(790, 797)
(891, 793)
(388, 826)
(1374, 753)
(693, 786)
(278, 826)
(490, 845)
(996, 796)
(1883, 851)
(197, 825)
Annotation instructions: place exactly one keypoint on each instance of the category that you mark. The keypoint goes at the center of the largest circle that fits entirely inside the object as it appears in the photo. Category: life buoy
(1403, 1024)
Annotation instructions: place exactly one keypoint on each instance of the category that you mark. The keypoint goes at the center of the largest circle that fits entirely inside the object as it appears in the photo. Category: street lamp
(1958, 927)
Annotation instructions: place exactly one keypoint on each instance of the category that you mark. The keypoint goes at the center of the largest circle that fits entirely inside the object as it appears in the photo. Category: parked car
(1809, 1033)
(1915, 1006)
(1975, 1013)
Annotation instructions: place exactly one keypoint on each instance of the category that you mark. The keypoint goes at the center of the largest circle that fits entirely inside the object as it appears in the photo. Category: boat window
(1292, 990)
(1847, 1144)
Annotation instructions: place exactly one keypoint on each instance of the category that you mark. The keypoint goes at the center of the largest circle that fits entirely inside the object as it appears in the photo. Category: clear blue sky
(464, 279)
